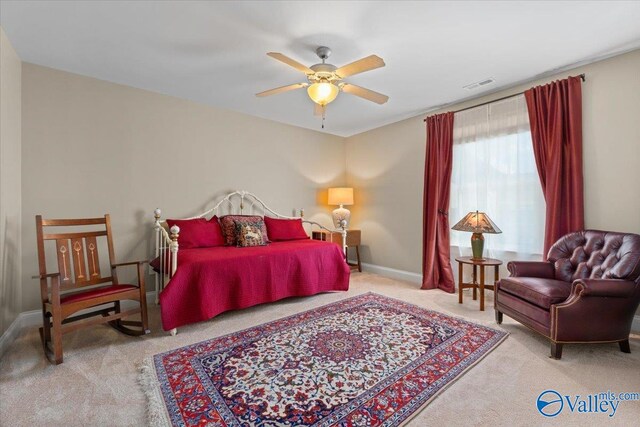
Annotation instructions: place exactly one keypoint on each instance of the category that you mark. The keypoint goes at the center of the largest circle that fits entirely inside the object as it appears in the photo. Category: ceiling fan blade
(367, 94)
(291, 62)
(318, 110)
(360, 66)
(282, 89)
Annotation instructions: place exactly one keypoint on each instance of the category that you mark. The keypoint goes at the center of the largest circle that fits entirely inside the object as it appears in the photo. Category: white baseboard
(24, 320)
(392, 273)
(417, 278)
(33, 318)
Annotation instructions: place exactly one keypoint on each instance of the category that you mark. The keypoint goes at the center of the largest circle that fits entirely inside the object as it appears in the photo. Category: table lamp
(477, 223)
(341, 196)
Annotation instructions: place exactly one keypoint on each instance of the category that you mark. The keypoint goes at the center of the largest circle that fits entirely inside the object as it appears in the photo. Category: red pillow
(284, 229)
(198, 233)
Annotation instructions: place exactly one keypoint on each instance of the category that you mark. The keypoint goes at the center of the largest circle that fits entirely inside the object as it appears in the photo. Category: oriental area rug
(364, 361)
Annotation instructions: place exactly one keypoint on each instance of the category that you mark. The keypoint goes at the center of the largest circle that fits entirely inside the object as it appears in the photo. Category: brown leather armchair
(587, 291)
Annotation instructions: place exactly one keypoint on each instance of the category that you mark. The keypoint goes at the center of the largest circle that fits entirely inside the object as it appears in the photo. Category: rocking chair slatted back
(77, 252)
(68, 304)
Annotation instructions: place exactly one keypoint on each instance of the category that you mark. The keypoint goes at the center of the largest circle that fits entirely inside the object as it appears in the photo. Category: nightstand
(353, 240)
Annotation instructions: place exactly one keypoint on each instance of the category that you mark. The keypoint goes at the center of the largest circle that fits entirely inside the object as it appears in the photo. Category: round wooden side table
(482, 263)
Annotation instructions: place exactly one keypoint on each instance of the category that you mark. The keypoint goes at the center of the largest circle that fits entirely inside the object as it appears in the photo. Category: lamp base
(339, 215)
(477, 246)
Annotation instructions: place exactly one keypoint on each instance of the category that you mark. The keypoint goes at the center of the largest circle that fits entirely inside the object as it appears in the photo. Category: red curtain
(436, 265)
(555, 114)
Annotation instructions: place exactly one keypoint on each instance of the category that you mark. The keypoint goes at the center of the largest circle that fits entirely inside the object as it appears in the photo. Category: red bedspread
(209, 281)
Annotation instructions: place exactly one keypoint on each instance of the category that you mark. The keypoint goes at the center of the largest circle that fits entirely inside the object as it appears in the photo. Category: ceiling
(214, 52)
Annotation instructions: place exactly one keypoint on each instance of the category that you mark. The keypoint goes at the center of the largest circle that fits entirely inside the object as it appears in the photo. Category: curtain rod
(582, 77)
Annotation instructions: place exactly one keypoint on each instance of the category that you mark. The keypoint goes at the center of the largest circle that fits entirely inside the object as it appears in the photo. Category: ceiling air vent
(481, 83)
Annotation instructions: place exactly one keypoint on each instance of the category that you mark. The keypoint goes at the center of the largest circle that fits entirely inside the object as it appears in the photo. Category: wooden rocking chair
(79, 285)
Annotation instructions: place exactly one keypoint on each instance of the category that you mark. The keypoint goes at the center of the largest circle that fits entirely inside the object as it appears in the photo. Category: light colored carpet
(97, 384)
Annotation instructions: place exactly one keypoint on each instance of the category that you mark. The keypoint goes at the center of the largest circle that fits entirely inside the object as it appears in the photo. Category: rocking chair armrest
(122, 264)
(45, 276)
(139, 265)
(49, 289)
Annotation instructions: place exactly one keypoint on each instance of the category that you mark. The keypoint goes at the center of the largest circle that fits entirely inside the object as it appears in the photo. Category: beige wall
(91, 147)
(10, 191)
(386, 165)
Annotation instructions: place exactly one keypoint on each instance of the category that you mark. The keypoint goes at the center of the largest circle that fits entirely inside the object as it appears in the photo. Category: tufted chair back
(594, 254)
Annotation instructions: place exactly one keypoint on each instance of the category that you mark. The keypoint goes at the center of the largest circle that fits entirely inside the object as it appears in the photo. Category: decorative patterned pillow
(227, 223)
(249, 233)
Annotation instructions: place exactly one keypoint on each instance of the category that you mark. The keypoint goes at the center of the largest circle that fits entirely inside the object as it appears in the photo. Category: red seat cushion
(95, 293)
(541, 292)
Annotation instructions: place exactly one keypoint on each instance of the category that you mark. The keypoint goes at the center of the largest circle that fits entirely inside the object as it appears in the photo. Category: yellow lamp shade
(323, 93)
(341, 196)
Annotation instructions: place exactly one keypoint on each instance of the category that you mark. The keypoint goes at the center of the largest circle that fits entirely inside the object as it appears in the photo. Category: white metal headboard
(236, 203)
(239, 201)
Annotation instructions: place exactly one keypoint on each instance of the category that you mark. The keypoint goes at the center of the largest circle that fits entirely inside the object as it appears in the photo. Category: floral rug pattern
(364, 361)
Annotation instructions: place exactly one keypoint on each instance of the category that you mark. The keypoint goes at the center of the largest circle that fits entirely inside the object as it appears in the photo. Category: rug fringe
(148, 380)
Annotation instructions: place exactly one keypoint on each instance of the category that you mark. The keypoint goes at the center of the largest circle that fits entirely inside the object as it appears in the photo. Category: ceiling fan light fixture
(323, 93)
(326, 80)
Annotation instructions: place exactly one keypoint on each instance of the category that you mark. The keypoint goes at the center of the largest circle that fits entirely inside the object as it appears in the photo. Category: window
(494, 171)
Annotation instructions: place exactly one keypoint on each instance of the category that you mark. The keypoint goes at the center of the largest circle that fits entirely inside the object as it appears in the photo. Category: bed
(197, 284)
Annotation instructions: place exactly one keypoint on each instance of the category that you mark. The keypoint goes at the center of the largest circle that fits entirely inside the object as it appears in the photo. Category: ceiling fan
(325, 80)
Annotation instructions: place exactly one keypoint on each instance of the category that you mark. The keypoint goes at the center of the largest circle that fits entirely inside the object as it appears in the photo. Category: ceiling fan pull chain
(324, 108)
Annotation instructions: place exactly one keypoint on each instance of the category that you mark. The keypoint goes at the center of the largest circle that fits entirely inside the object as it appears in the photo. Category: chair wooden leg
(45, 331)
(45, 343)
(624, 346)
(145, 317)
(556, 350)
(140, 328)
(124, 325)
(116, 308)
(57, 341)
(145, 322)
(498, 317)
(47, 340)
(143, 300)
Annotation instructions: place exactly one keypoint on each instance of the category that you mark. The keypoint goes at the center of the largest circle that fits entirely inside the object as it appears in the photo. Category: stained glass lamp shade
(477, 223)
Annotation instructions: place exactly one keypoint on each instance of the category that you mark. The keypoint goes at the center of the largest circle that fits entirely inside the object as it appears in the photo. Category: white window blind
(494, 171)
